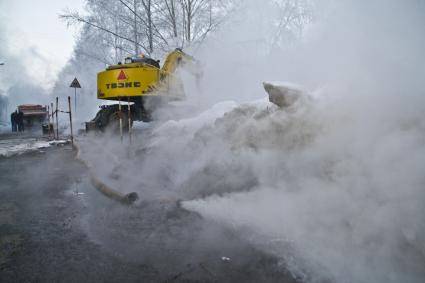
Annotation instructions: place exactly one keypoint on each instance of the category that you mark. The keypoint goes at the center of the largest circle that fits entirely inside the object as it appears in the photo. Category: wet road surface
(55, 227)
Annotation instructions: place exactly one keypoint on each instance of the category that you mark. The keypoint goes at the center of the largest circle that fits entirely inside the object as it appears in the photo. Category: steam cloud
(19, 85)
(333, 185)
(338, 183)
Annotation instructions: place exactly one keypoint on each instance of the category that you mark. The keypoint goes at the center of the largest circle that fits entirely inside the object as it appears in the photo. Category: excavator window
(151, 61)
(145, 60)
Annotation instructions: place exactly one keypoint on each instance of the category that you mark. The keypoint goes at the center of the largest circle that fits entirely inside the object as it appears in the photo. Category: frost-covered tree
(290, 20)
(128, 27)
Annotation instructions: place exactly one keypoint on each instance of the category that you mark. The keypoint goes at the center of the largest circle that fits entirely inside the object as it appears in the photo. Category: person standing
(21, 121)
(13, 121)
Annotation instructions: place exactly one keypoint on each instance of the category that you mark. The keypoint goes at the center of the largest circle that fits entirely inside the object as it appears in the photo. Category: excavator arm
(179, 58)
(171, 84)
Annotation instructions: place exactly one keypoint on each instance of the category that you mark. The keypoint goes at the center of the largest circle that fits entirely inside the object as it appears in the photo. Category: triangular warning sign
(75, 84)
(122, 76)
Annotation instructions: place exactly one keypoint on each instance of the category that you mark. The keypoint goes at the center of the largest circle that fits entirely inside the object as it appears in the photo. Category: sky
(34, 33)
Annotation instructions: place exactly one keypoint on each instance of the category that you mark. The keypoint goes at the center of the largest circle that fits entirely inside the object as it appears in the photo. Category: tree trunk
(189, 19)
(136, 44)
(150, 28)
(173, 17)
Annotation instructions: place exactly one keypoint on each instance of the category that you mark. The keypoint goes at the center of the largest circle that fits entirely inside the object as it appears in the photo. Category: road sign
(75, 84)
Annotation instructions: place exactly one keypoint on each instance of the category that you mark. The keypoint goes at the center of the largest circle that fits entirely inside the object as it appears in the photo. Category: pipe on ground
(129, 198)
(111, 193)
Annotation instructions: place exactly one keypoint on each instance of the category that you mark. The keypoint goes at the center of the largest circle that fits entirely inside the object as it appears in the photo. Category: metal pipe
(75, 100)
(129, 120)
(70, 121)
(48, 121)
(120, 114)
(53, 121)
(57, 122)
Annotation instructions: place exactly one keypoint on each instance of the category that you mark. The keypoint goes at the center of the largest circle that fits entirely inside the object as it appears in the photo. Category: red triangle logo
(122, 76)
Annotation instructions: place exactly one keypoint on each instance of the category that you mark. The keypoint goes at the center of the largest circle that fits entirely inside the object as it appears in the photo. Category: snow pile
(284, 94)
(19, 146)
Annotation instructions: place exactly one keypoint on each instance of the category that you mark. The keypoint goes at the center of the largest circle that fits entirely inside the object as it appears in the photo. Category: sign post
(57, 121)
(75, 84)
(53, 121)
(70, 121)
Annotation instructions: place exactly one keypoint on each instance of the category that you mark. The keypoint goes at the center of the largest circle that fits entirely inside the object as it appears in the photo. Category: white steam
(15, 81)
(347, 198)
(333, 185)
(341, 181)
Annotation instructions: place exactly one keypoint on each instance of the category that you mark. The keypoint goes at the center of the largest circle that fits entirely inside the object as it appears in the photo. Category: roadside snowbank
(21, 145)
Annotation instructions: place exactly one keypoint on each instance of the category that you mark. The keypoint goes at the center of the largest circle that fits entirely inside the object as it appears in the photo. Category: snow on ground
(19, 145)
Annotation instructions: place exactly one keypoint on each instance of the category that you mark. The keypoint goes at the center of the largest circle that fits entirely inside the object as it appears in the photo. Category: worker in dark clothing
(21, 121)
(13, 121)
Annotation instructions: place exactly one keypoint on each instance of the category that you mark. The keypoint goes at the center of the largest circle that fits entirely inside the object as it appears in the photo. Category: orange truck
(35, 115)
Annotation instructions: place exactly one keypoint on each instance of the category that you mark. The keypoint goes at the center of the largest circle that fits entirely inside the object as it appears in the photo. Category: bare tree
(147, 5)
(200, 17)
(191, 9)
(126, 27)
(106, 20)
(170, 16)
(293, 16)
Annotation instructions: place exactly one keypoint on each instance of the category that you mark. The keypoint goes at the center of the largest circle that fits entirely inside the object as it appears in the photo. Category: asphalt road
(55, 227)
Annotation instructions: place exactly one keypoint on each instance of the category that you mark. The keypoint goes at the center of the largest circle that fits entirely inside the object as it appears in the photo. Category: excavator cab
(143, 59)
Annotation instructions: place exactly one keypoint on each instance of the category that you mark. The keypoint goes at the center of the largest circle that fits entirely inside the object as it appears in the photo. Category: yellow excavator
(141, 82)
